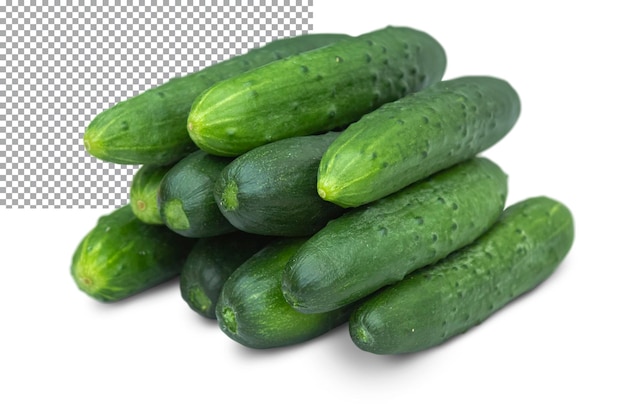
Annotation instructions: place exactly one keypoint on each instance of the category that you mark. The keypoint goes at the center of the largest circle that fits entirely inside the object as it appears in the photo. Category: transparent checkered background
(61, 65)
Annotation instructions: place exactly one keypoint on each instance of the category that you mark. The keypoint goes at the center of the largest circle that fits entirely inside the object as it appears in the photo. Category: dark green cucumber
(378, 244)
(185, 199)
(271, 190)
(144, 192)
(314, 91)
(252, 311)
(409, 139)
(151, 128)
(211, 261)
(122, 256)
(439, 302)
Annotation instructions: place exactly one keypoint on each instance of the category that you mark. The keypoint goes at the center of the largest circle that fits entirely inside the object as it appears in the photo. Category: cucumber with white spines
(151, 127)
(314, 91)
(415, 136)
(378, 244)
(434, 304)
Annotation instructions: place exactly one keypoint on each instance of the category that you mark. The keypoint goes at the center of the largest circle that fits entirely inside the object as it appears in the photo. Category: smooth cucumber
(314, 91)
(122, 256)
(211, 261)
(415, 136)
(185, 198)
(378, 244)
(439, 302)
(252, 311)
(151, 127)
(271, 190)
(144, 191)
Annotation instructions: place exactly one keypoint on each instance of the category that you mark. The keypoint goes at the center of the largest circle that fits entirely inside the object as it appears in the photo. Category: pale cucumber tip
(229, 320)
(199, 302)
(229, 200)
(175, 216)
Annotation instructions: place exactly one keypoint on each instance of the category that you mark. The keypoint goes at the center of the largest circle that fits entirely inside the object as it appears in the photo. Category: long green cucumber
(151, 127)
(378, 244)
(271, 190)
(122, 256)
(144, 191)
(211, 261)
(314, 91)
(411, 138)
(436, 303)
(185, 198)
(252, 311)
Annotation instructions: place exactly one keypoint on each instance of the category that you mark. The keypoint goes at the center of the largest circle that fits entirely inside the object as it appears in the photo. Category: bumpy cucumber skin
(211, 261)
(151, 128)
(274, 188)
(144, 191)
(436, 303)
(252, 311)
(378, 244)
(409, 139)
(315, 91)
(185, 198)
(122, 256)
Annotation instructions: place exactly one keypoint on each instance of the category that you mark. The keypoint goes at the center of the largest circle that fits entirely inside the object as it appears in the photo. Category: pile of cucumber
(319, 180)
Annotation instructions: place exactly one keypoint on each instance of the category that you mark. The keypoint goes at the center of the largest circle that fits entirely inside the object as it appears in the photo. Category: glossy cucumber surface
(415, 136)
(436, 303)
(378, 244)
(314, 91)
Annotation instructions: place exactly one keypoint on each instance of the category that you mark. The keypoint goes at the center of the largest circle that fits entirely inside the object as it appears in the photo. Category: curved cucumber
(144, 192)
(436, 303)
(252, 311)
(211, 261)
(315, 91)
(186, 200)
(122, 256)
(151, 128)
(416, 136)
(378, 244)
(271, 190)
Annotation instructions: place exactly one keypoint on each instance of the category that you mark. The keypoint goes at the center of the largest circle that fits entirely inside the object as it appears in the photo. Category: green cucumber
(436, 303)
(252, 311)
(185, 198)
(271, 190)
(378, 244)
(211, 261)
(144, 191)
(122, 256)
(314, 91)
(151, 128)
(411, 138)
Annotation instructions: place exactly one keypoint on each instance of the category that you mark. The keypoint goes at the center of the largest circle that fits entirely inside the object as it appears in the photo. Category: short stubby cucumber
(436, 303)
(252, 311)
(271, 190)
(185, 198)
(314, 91)
(144, 191)
(122, 256)
(211, 261)
(415, 136)
(378, 244)
(151, 127)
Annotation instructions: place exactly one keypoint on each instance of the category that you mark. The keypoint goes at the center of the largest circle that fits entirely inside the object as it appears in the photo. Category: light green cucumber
(314, 91)
(151, 128)
(436, 303)
(144, 191)
(415, 136)
(378, 244)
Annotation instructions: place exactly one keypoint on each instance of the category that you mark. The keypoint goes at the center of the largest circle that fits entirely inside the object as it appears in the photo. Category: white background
(556, 351)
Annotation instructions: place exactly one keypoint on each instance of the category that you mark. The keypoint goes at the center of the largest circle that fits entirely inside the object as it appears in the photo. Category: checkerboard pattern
(61, 65)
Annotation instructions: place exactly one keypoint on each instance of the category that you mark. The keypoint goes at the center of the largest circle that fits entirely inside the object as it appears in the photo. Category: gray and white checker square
(61, 65)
